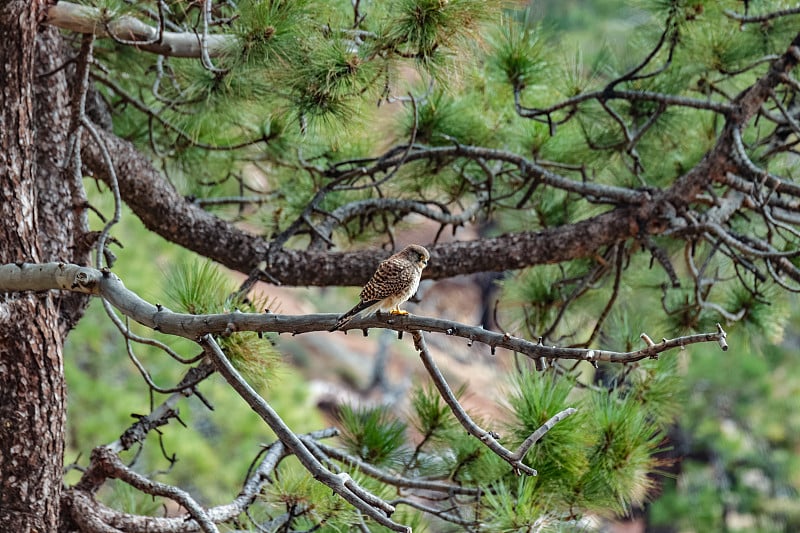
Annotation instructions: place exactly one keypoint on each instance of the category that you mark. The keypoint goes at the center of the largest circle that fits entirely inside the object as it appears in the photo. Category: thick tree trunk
(40, 219)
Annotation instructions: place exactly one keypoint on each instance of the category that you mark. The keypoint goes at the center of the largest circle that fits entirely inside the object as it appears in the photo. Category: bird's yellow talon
(394, 282)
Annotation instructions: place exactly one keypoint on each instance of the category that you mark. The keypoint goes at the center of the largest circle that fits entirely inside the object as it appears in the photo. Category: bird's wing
(387, 281)
(384, 282)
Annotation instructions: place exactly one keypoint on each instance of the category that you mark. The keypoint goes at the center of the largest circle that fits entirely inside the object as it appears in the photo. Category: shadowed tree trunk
(40, 218)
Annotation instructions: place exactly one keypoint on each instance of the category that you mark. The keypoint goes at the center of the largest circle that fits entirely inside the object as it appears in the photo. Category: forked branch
(488, 438)
(341, 484)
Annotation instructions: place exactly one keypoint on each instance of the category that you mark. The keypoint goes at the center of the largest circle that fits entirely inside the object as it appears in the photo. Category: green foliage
(658, 387)
(295, 489)
(201, 288)
(427, 29)
(765, 312)
(600, 459)
(373, 434)
(520, 507)
(535, 296)
(442, 119)
(560, 457)
(621, 458)
(431, 415)
(272, 32)
(329, 84)
(198, 288)
(517, 51)
(624, 327)
(443, 448)
(467, 461)
(318, 508)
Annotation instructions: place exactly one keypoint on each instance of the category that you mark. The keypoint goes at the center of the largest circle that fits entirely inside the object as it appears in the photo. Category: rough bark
(38, 221)
(167, 213)
(163, 210)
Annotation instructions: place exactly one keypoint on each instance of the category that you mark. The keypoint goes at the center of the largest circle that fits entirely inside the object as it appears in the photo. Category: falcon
(394, 282)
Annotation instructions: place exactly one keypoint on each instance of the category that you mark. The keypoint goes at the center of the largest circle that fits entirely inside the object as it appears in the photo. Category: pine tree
(636, 191)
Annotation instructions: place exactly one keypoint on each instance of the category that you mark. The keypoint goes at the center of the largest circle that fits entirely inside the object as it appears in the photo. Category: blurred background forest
(734, 462)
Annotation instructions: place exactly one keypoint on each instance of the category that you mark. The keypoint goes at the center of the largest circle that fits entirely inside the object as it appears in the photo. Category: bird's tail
(362, 307)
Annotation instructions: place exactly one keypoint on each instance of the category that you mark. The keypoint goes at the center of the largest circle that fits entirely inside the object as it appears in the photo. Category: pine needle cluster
(200, 287)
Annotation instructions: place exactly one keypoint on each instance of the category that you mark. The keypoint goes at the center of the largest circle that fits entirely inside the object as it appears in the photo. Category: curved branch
(429, 210)
(764, 17)
(488, 438)
(599, 191)
(163, 210)
(401, 482)
(617, 94)
(105, 460)
(85, 509)
(86, 19)
(37, 277)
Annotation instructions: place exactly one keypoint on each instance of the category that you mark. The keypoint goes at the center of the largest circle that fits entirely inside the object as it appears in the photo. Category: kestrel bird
(395, 281)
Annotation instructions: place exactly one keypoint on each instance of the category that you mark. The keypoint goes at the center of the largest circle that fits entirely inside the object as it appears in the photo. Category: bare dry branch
(488, 438)
(101, 518)
(341, 484)
(46, 276)
(762, 17)
(102, 23)
(105, 459)
(396, 481)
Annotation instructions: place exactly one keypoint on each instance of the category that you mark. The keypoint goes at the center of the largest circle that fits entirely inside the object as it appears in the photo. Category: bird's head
(417, 255)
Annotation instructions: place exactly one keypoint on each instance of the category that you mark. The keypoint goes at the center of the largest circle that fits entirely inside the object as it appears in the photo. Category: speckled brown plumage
(394, 282)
